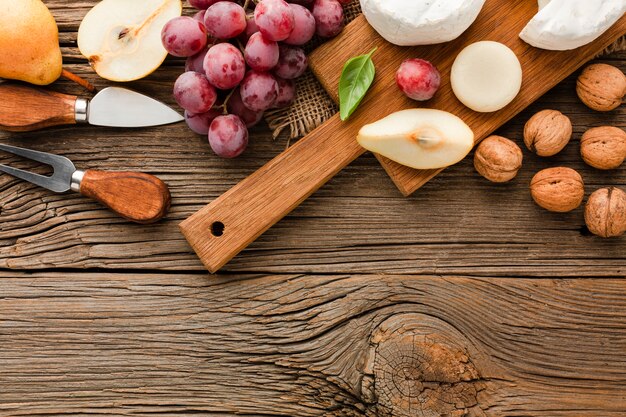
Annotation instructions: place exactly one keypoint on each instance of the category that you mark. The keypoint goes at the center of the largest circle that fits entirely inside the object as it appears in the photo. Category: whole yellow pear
(29, 42)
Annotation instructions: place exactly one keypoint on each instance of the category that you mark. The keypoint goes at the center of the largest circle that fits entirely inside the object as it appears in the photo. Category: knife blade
(24, 108)
(119, 107)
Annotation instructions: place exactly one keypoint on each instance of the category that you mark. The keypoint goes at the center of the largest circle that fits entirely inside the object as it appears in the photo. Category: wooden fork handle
(222, 229)
(138, 197)
(24, 108)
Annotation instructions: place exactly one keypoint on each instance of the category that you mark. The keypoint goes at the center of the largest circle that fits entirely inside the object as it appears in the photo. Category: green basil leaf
(356, 78)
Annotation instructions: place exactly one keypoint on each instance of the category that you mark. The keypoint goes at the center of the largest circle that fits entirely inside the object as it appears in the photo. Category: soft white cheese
(562, 25)
(486, 76)
(421, 22)
(543, 3)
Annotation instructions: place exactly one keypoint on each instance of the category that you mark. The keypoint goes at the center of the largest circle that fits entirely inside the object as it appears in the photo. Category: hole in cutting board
(217, 229)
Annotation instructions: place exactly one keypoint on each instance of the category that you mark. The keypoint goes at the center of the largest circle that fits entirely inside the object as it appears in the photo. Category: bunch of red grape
(242, 58)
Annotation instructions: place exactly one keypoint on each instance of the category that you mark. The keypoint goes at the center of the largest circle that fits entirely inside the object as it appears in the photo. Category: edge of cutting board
(499, 21)
(220, 230)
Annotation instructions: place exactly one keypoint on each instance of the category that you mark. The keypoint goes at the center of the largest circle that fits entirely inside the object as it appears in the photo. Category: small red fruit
(418, 79)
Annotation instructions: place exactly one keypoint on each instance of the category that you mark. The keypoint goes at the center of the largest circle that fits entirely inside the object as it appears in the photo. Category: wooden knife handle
(24, 108)
(222, 229)
(138, 197)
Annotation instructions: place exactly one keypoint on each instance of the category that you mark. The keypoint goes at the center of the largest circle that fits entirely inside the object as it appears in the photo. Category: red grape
(261, 54)
(292, 62)
(275, 19)
(286, 92)
(200, 122)
(251, 27)
(228, 136)
(418, 79)
(259, 90)
(201, 4)
(183, 36)
(225, 20)
(257, 79)
(193, 92)
(199, 16)
(196, 62)
(235, 106)
(224, 66)
(304, 27)
(328, 17)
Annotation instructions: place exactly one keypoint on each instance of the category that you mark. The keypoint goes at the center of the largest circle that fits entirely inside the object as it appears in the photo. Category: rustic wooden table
(464, 299)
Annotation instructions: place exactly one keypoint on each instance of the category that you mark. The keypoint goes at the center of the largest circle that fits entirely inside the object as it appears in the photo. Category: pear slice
(122, 39)
(419, 138)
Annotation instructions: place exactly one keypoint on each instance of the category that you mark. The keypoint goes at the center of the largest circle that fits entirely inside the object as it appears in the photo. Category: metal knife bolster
(77, 178)
(81, 110)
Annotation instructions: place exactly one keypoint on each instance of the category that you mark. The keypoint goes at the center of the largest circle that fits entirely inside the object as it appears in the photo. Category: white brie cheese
(421, 22)
(562, 25)
(543, 3)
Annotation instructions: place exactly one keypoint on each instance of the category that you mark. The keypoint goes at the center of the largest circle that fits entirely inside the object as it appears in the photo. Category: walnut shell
(498, 159)
(601, 87)
(558, 189)
(605, 212)
(603, 147)
(547, 132)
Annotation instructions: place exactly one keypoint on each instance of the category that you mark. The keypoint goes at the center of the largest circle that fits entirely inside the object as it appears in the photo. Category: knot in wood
(424, 372)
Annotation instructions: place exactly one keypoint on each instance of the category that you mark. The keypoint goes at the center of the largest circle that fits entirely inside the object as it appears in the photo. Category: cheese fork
(138, 197)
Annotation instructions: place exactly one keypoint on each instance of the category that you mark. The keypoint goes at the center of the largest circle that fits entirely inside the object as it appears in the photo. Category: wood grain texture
(177, 345)
(24, 108)
(135, 343)
(357, 223)
(222, 229)
(138, 197)
(257, 203)
(499, 20)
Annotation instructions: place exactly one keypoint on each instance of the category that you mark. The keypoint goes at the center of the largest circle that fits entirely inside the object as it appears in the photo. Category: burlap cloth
(313, 106)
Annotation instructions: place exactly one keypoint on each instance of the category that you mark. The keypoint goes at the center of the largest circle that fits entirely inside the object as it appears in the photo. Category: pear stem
(78, 80)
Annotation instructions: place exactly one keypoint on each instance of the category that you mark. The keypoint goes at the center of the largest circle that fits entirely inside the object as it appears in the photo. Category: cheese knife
(24, 108)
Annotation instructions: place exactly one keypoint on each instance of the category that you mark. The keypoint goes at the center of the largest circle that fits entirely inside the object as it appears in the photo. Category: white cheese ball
(486, 76)
(420, 22)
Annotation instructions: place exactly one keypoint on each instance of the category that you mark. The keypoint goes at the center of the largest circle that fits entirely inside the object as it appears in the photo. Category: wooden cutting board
(223, 228)
(500, 20)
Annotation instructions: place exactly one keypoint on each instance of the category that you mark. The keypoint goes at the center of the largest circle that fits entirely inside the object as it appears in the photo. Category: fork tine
(60, 179)
(37, 179)
(55, 161)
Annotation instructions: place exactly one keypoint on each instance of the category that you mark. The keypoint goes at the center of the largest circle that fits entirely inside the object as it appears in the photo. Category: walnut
(605, 212)
(498, 159)
(547, 132)
(603, 147)
(558, 189)
(601, 87)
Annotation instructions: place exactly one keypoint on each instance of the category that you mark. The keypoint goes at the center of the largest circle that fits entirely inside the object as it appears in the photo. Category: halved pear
(122, 39)
(419, 138)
